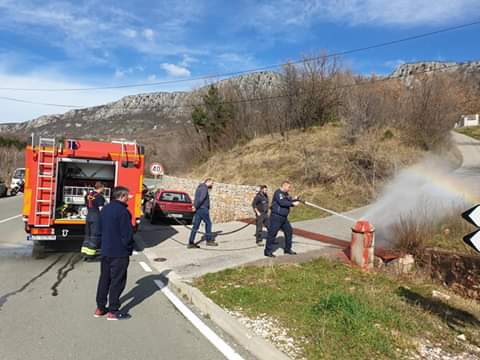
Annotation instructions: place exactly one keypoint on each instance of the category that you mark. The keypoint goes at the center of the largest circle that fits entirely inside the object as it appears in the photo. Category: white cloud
(405, 13)
(122, 73)
(187, 60)
(130, 33)
(16, 112)
(85, 29)
(152, 78)
(175, 70)
(119, 74)
(149, 34)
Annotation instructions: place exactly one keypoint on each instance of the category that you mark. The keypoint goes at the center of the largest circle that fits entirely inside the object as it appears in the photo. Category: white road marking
(221, 345)
(145, 266)
(10, 218)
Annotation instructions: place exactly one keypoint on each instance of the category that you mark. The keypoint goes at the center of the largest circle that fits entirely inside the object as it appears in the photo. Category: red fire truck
(58, 174)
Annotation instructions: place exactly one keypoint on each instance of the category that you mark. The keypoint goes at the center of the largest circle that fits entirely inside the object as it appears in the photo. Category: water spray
(329, 211)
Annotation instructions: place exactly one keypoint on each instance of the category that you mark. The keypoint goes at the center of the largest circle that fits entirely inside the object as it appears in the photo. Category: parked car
(169, 204)
(3, 188)
(17, 178)
(19, 188)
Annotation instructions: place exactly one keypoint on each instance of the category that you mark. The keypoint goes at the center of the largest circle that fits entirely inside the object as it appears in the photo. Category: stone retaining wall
(228, 202)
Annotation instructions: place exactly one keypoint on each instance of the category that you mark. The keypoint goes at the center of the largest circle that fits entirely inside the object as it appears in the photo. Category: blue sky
(65, 44)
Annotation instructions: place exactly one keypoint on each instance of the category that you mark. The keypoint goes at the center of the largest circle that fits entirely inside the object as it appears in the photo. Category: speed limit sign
(156, 169)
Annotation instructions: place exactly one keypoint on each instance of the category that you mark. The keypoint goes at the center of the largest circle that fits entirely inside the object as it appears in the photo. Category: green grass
(473, 131)
(343, 313)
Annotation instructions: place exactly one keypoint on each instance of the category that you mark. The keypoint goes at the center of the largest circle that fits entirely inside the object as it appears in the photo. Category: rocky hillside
(156, 112)
(163, 112)
(409, 71)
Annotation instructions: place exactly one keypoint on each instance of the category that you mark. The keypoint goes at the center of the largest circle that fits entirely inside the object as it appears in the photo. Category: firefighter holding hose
(281, 204)
(94, 201)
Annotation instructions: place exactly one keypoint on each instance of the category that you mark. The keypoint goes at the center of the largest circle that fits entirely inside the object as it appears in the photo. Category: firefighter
(281, 204)
(116, 232)
(94, 201)
(201, 206)
(260, 206)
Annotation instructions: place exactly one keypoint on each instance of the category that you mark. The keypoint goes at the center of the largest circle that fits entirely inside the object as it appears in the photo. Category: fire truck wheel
(39, 250)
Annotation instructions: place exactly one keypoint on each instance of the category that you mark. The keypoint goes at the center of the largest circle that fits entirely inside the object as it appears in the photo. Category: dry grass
(322, 165)
(10, 159)
(414, 233)
(473, 131)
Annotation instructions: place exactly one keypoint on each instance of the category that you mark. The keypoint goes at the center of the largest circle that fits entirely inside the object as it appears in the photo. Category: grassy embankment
(323, 167)
(336, 312)
(473, 131)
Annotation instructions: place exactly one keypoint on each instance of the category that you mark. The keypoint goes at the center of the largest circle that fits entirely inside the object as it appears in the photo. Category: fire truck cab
(58, 175)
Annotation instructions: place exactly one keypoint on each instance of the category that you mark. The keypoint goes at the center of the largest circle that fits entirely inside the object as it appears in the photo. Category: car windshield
(175, 197)
(19, 174)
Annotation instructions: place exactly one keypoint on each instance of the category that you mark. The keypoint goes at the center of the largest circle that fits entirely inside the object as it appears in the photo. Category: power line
(253, 70)
(246, 100)
(23, 101)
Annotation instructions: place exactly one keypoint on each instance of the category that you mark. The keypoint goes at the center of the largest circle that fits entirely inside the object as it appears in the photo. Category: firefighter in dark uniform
(260, 206)
(281, 204)
(94, 201)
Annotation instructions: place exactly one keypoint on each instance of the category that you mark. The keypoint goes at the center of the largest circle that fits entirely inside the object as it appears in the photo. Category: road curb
(256, 345)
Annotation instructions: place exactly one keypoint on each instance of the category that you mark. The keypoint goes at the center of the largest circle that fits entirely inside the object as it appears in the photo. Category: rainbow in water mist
(424, 191)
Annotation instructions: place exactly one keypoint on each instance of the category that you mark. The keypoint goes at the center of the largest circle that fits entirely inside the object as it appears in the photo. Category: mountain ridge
(169, 111)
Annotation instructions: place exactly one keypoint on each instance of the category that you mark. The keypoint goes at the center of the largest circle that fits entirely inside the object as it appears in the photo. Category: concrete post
(362, 244)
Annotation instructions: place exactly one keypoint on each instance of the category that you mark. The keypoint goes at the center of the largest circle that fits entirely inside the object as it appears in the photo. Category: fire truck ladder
(45, 194)
(125, 150)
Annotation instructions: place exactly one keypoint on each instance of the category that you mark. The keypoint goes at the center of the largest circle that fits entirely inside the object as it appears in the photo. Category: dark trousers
(278, 223)
(113, 278)
(91, 243)
(201, 215)
(261, 220)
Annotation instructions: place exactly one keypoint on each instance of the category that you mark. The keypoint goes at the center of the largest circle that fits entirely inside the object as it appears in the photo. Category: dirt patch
(460, 272)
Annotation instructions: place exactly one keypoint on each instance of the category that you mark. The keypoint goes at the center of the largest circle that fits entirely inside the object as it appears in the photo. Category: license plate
(176, 215)
(43, 237)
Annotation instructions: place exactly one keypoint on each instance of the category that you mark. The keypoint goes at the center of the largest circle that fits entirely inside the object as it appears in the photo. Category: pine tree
(212, 117)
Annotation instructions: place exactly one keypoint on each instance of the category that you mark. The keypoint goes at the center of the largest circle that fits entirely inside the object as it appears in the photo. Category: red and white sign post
(156, 169)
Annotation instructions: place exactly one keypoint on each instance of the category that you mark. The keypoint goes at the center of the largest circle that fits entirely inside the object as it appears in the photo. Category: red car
(169, 204)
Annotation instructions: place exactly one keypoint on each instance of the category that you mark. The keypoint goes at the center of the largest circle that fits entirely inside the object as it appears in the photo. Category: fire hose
(248, 224)
(296, 199)
(327, 210)
(218, 234)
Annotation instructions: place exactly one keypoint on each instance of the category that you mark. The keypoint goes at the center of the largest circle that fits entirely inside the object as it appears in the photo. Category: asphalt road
(46, 308)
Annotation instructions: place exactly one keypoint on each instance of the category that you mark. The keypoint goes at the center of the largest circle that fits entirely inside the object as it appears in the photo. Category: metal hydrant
(362, 245)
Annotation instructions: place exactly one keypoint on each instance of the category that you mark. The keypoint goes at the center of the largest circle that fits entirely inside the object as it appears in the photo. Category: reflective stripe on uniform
(87, 251)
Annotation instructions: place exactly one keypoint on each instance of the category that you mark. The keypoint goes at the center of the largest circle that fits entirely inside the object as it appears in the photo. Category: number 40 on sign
(156, 169)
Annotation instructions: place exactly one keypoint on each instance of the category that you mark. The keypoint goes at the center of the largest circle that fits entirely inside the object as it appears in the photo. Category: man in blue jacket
(116, 232)
(201, 206)
(281, 204)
